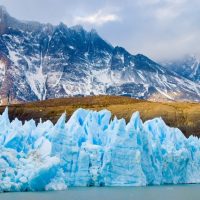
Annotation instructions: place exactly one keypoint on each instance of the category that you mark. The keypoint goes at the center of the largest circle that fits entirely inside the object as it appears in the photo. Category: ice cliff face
(93, 150)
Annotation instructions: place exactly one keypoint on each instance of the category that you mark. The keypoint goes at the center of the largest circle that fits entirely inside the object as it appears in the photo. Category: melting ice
(91, 149)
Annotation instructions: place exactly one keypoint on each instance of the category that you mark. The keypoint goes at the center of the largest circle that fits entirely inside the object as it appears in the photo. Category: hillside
(185, 116)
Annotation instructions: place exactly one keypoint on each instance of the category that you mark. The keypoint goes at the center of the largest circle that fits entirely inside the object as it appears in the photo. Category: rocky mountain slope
(187, 66)
(42, 61)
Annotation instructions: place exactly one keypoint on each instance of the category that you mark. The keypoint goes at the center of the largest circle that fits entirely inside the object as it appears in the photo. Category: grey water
(168, 192)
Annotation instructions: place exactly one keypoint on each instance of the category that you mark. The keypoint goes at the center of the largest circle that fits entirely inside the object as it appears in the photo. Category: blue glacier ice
(92, 149)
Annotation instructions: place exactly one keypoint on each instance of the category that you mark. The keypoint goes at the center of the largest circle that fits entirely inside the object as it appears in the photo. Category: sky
(161, 29)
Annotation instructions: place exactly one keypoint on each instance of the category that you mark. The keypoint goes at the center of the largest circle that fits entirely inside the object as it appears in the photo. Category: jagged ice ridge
(92, 149)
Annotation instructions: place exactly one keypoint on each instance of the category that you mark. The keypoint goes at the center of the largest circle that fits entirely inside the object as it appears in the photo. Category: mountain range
(43, 61)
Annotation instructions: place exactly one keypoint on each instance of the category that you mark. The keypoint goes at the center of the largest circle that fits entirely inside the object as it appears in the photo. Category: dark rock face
(42, 61)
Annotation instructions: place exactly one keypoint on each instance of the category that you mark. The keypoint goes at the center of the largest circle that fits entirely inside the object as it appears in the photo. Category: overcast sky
(160, 29)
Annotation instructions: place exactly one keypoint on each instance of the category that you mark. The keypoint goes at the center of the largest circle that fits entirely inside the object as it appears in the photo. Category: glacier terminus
(94, 149)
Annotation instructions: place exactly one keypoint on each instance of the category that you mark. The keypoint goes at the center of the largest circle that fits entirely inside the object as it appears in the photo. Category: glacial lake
(168, 192)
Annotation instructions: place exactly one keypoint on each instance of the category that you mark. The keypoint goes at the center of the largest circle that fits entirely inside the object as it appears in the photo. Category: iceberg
(94, 149)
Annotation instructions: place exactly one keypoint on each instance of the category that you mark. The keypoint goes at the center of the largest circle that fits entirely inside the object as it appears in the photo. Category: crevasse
(91, 149)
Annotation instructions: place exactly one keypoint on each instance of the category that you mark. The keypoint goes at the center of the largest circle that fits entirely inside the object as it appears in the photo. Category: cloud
(97, 19)
(160, 29)
(170, 10)
(164, 10)
(166, 13)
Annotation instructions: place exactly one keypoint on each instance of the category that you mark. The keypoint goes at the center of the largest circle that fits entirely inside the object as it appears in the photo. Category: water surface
(179, 192)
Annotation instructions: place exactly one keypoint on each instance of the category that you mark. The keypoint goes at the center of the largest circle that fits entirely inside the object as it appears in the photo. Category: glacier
(94, 149)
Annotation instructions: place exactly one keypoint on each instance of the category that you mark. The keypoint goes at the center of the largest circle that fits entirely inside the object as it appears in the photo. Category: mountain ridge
(42, 61)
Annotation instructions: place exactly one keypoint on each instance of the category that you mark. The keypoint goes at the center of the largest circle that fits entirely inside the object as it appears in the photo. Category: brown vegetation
(185, 116)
